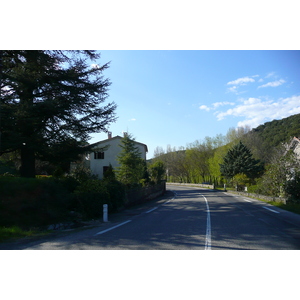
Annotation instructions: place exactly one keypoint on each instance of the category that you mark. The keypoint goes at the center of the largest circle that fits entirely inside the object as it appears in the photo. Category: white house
(106, 153)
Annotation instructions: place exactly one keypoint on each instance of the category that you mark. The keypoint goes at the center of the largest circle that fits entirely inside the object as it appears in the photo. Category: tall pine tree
(239, 159)
(132, 166)
(51, 102)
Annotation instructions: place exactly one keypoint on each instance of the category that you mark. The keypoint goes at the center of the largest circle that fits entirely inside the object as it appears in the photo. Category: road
(190, 218)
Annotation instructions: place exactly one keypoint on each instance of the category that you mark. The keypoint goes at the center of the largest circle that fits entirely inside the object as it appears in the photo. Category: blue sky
(176, 97)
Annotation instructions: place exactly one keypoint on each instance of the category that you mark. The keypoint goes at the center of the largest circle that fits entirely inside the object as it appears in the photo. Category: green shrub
(292, 188)
(157, 171)
(13, 232)
(117, 195)
(69, 182)
(82, 173)
(38, 202)
(7, 167)
(32, 202)
(253, 189)
(90, 196)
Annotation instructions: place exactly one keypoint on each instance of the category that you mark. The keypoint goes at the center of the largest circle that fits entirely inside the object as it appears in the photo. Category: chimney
(109, 134)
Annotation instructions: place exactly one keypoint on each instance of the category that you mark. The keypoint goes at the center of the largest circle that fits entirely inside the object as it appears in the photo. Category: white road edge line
(208, 227)
(106, 230)
(175, 194)
(149, 211)
(277, 212)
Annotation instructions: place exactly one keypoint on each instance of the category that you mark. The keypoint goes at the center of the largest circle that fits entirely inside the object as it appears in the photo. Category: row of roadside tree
(238, 159)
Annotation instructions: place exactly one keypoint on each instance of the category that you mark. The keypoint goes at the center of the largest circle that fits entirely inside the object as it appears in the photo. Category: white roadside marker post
(105, 210)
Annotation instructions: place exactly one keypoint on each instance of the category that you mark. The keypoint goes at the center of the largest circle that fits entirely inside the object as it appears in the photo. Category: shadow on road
(177, 223)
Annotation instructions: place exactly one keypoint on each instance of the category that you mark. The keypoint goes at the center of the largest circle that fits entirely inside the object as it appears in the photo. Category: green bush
(70, 183)
(38, 202)
(91, 195)
(117, 195)
(31, 202)
(13, 232)
(292, 188)
(7, 167)
(157, 171)
(253, 189)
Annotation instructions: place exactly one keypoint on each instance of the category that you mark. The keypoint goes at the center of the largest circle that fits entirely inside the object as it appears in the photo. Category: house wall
(110, 155)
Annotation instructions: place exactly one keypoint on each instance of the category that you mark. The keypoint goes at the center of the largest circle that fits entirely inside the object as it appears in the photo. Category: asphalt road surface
(187, 218)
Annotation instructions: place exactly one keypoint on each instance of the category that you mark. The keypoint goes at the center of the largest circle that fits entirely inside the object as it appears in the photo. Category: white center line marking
(247, 200)
(277, 212)
(106, 230)
(208, 227)
(149, 211)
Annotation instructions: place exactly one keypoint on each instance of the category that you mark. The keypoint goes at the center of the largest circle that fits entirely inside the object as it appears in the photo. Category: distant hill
(279, 131)
(269, 136)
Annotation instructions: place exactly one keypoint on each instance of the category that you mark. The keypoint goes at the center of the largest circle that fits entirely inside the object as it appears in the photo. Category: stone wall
(207, 186)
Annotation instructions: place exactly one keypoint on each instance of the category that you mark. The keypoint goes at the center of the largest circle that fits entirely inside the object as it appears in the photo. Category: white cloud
(233, 89)
(271, 74)
(273, 83)
(255, 111)
(204, 107)
(133, 119)
(241, 81)
(215, 105)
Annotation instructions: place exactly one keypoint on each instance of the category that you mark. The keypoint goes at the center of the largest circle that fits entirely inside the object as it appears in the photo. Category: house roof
(115, 138)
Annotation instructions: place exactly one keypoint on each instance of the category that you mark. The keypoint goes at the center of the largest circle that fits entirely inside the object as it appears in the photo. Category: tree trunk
(27, 162)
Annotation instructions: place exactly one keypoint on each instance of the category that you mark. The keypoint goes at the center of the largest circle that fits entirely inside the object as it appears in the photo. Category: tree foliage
(280, 174)
(239, 159)
(157, 171)
(51, 103)
(132, 166)
(201, 160)
(109, 174)
(277, 132)
(292, 186)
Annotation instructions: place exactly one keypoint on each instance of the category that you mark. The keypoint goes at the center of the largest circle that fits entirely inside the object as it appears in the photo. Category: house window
(98, 155)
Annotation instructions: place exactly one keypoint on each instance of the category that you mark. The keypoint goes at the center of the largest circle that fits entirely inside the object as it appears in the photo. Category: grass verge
(292, 207)
(7, 233)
